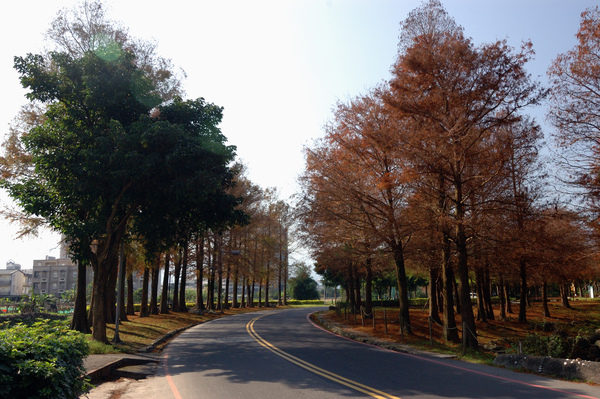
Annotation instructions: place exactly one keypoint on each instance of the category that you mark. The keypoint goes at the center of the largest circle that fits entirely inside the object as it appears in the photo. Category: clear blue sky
(277, 67)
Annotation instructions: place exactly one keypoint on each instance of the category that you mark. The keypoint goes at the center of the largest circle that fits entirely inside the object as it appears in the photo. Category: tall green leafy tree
(304, 287)
(101, 160)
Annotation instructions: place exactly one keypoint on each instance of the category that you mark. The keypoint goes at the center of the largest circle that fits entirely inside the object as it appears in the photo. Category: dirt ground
(582, 318)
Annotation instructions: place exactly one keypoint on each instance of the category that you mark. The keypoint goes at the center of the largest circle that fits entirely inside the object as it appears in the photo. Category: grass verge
(500, 335)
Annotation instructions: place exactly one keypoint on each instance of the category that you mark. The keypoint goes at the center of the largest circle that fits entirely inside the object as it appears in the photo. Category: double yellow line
(314, 369)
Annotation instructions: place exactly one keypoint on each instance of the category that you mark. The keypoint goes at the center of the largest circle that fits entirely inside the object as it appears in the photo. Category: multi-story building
(13, 283)
(53, 276)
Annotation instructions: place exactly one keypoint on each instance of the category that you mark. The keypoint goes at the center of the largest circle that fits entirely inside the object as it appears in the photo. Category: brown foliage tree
(356, 175)
(457, 95)
(575, 94)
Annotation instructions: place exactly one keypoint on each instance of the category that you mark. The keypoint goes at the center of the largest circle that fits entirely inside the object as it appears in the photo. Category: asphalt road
(280, 354)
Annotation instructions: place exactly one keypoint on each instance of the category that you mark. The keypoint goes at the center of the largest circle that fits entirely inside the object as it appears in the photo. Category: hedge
(44, 360)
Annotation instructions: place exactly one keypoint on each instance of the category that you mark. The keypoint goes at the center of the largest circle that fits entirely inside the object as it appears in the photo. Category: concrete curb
(569, 369)
(154, 345)
(117, 361)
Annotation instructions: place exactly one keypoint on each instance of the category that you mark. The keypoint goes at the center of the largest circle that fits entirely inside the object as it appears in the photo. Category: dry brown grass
(582, 318)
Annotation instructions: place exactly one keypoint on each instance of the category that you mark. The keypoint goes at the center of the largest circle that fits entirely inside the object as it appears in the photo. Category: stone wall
(569, 369)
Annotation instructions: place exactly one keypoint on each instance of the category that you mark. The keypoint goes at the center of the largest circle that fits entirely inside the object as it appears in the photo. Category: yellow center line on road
(314, 369)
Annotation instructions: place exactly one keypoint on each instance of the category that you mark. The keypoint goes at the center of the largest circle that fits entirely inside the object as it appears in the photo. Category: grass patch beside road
(583, 318)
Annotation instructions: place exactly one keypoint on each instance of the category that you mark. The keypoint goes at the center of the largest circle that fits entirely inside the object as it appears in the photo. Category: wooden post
(373, 313)
(401, 319)
(464, 338)
(430, 331)
(385, 321)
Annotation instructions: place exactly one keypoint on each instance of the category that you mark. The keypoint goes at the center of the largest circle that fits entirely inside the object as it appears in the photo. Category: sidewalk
(135, 366)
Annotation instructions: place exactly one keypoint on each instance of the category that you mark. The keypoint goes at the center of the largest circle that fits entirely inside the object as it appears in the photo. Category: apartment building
(52, 276)
(13, 283)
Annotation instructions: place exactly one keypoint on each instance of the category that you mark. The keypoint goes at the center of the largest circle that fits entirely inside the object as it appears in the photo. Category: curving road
(280, 354)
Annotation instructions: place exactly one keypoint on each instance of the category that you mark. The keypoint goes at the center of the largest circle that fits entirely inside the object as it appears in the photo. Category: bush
(314, 302)
(44, 360)
(553, 345)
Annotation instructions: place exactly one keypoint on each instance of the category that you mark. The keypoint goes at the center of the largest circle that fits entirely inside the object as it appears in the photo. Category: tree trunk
(350, 288)
(285, 280)
(369, 290)
(450, 332)
(279, 277)
(487, 293)
(267, 282)
(523, 297)
(182, 303)
(243, 304)
(508, 303)
(220, 279)
(564, 295)
(398, 252)
(227, 276)
(175, 306)
(110, 301)
(79, 322)
(123, 271)
(466, 307)
(98, 306)
(545, 298)
(130, 302)
(479, 282)
(250, 301)
(154, 288)
(164, 296)
(260, 284)
(210, 295)
(104, 262)
(357, 285)
(199, 272)
(144, 312)
(434, 310)
(234, 290)
(502, 296)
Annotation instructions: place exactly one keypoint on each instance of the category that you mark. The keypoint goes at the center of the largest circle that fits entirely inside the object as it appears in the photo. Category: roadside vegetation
(434, 179)
(569, 333)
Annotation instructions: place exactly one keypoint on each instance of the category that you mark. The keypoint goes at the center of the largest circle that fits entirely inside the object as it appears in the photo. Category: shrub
(44, 360)
(314, 302)
(553, 345)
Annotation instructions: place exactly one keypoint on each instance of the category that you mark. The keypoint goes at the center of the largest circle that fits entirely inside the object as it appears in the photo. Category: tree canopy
(103, 162)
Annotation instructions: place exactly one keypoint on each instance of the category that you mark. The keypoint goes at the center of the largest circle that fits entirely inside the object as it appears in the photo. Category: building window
(63, 273)
(53, 286)
(75, 274)
(36, 274)
(54, 274)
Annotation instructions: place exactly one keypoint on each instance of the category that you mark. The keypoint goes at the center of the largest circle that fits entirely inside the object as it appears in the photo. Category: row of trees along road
(234, 261)
(438, 171)
(107, 152)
